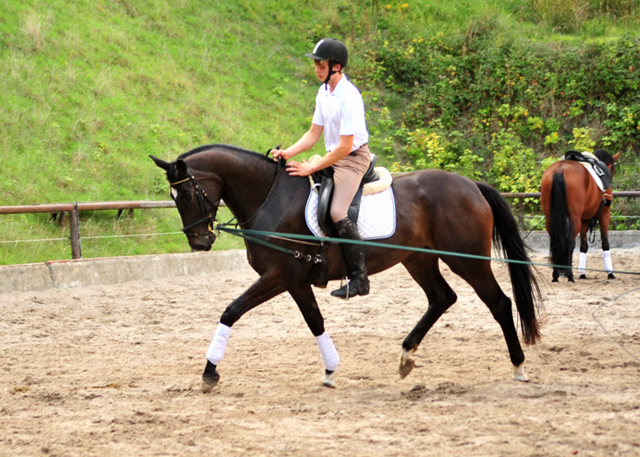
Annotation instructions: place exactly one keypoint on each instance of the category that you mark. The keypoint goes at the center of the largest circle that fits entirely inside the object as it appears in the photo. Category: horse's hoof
(554, 280)
(571, 280)
(583, 277)
(327, 380)
(611, 276)
(406, 363)
(209, 382)
(518, 373)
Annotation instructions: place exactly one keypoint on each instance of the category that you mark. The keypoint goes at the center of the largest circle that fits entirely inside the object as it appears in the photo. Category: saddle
(598, 166)
(324, 177)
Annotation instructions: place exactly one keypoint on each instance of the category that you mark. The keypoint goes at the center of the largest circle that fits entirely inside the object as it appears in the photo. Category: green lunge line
(245, 232)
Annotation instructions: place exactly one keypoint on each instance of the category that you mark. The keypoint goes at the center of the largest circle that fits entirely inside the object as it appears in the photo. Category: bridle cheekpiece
(203, 199)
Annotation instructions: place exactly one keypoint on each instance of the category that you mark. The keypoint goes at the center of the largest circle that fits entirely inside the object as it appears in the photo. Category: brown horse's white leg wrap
(218, 344)
(608, 265)
(328, 352)
(582, 265)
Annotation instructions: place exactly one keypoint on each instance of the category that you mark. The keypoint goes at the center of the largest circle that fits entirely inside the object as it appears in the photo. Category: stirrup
(351, 289)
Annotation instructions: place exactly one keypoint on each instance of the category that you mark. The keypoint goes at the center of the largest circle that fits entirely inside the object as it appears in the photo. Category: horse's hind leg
(479, 275)
(423, 268)
(306, 301)
(605, 219)
(584, 247)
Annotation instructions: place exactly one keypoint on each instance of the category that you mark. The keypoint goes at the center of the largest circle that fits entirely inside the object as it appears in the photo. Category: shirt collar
(340, 87)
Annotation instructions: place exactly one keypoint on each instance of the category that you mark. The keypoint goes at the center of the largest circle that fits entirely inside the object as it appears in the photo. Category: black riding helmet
(332, 50)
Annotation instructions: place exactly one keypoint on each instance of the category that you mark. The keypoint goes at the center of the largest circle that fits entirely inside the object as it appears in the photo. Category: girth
(325, 193)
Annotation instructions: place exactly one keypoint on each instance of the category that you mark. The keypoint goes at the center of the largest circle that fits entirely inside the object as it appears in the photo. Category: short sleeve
(317, 114)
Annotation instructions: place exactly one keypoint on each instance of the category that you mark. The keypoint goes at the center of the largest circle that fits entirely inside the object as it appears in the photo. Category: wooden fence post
(74, 226)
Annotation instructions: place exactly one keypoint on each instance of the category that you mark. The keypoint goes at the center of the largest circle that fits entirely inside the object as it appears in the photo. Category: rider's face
(322, 69)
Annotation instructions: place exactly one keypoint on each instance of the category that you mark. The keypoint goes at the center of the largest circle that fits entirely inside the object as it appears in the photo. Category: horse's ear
(616, 156)
(182, 167)
(161, 163)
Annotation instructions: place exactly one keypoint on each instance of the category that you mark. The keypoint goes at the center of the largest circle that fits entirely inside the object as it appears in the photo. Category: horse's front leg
(306, 301)
(584, 247)
(605, 219)
(266, 287)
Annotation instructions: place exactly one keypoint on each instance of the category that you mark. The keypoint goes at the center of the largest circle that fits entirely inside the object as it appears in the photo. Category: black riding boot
(354, 258)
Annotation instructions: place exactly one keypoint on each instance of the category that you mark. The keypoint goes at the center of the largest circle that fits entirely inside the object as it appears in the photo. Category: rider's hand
(279, 153)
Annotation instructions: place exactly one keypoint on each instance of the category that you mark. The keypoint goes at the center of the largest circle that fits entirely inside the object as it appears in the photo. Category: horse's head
(608, 159)
(197, 209)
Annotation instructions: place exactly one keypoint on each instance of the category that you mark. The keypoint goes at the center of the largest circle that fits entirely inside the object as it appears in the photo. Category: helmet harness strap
(331, 73)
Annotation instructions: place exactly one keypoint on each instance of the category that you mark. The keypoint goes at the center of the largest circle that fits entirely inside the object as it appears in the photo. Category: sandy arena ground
(115, 370)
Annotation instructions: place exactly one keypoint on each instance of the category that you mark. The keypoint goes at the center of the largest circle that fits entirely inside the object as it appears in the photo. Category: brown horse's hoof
(572, 280)
(611, 276)
(583, 277)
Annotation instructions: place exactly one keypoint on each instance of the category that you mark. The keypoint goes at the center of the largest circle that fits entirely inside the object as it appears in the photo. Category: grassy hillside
(89, 89)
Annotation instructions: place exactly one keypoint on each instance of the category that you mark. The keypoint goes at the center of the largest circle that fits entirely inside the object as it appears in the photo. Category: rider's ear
(181, 166)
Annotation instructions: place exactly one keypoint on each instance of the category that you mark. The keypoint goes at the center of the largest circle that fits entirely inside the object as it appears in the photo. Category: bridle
(202, 197)
(213, 207)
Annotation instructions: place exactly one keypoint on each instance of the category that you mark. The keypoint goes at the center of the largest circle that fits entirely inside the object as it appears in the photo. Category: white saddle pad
(591, 170)
(376, 219)
(594, 175)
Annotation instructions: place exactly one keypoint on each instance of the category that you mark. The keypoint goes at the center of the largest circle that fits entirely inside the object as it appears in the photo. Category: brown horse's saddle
(325, 179)
(599, 167)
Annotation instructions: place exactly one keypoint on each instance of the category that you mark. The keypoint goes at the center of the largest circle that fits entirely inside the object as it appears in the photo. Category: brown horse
(435, 210)
(571, 200)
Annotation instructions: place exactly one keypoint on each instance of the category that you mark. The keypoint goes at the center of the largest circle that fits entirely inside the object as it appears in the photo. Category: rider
(339, 113)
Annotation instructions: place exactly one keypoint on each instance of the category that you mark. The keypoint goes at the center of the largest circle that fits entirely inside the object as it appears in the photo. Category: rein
(273, 185)
(207, 216)
(239, 232)
(297, 254)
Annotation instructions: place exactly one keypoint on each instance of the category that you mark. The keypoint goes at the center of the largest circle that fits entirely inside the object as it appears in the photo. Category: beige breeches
(348, 173)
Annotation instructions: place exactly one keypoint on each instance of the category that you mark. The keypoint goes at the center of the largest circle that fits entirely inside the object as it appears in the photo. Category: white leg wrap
(608, 265)
(582, 266)
(218, 344)
(328, 352)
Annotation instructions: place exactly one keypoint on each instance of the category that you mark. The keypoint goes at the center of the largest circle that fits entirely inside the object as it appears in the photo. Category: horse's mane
(603, 156)
(224, 146)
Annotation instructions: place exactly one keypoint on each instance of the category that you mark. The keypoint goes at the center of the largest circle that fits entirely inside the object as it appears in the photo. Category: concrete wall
(114, 270)
(538, 241)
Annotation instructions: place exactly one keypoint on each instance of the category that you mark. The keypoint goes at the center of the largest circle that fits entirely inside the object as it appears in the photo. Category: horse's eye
(187, 197)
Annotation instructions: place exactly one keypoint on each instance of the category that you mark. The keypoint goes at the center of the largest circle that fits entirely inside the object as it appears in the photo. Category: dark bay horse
(570, 200)
(435, 210)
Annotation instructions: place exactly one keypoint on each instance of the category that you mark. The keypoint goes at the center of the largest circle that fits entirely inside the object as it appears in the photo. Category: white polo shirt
(341, 112)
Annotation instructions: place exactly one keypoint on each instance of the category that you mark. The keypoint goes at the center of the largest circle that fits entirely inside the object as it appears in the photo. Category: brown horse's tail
(560, 228)
(506, 236)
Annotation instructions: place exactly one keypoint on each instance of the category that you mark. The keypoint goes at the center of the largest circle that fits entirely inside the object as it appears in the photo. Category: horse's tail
(559, 229)
(506, 236)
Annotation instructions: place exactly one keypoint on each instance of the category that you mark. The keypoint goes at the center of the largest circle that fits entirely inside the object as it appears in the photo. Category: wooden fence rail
(74, 209)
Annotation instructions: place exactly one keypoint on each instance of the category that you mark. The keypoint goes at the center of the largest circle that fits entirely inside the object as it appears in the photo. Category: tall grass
(89, 89)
